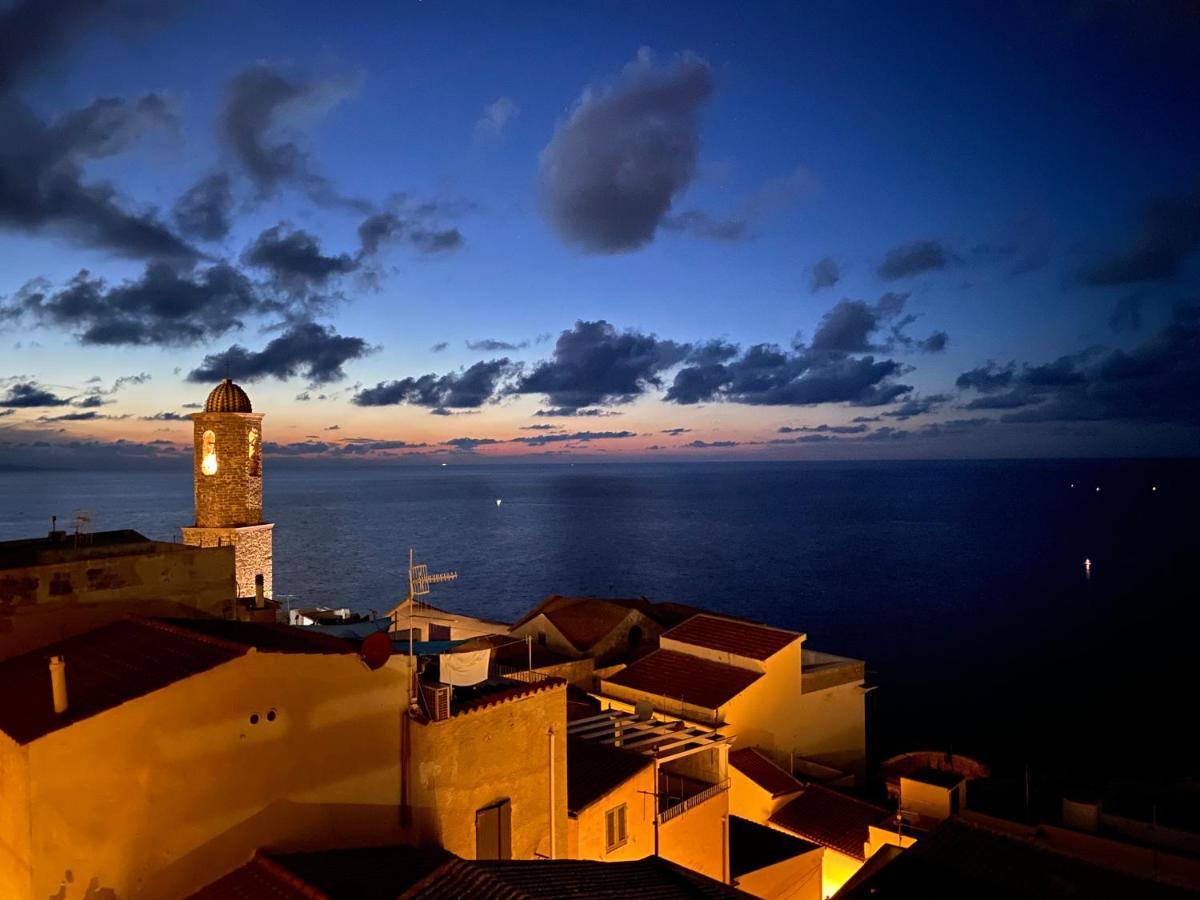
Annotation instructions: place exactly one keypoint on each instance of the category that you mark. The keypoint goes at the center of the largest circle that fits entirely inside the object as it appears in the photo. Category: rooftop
(689, 679)
(128, 659)
(227, 397)
(595, 769)
(586, 620)
(753, 846)
(936, 777)
(830, 818)
(763, 772)
(60, 547)
(733, 636)
(962, 859)
(383, 873)
(661, 738)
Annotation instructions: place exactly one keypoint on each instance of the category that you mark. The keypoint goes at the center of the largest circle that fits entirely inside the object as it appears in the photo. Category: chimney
(259, 603)
(58, 683)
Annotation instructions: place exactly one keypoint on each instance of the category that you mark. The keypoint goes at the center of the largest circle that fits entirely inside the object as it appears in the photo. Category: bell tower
(227, 475)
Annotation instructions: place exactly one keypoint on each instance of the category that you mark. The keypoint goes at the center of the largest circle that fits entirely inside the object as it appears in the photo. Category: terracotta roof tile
(595, 769)
(732, 636)
(700, 682)
(830, 818)
(763, 772)
(105, 667)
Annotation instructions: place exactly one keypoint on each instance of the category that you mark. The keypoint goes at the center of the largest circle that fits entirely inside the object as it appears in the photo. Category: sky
(438, 231)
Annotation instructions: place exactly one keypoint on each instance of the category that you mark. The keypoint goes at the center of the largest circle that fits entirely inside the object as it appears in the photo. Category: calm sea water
(962, 584)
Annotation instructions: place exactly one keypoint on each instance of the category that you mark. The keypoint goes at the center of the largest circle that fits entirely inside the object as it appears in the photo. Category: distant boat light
(498, 501)
(1087, 568)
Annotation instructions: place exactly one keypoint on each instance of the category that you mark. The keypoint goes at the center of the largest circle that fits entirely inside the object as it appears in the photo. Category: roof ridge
(198, 637)
(843, 795)
(737, 621)
(289, 877)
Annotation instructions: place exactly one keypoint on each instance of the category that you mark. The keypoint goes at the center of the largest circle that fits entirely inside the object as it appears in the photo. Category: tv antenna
(419, 581)
(83, 526)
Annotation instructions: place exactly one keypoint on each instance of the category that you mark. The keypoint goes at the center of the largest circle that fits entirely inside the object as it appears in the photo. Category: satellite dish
(375, 649)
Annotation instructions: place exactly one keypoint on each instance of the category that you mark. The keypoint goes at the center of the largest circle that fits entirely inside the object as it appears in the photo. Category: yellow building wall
(43, 604)
(798, 878)
(174, 789)
(590, 827)
(929, 799)
(697, 839)
(482, 756)
(835, 731)
(555, 639)
(836, 869)
(15, 863)
(750, 801)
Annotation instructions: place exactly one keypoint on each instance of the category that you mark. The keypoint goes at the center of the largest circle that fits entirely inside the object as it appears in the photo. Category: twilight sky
(455, 231)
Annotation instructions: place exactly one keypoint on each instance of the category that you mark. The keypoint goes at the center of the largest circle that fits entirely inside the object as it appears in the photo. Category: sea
(1038, 615)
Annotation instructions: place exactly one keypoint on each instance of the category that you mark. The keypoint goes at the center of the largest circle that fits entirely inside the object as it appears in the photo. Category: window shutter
(609, 837)
(621, 823)
(487, 833)
(505, 830)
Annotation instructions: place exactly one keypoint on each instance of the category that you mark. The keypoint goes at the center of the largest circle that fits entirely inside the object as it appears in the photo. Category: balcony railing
(693, 801)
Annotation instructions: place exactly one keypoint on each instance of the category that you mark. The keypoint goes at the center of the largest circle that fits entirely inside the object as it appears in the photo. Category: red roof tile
(763, 772)
(105, 667)
(732, 636)
(690, 679)
(595, 769)
(830, 818)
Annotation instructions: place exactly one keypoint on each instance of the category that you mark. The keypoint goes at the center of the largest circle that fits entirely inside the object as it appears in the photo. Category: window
(635, 637)
(542, 637)
(208, 453)
(493, 831)
(439, 632)
(614, 829)
(252, 451)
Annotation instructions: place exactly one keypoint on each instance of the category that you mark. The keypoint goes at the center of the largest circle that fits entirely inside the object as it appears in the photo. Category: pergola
(660, 740)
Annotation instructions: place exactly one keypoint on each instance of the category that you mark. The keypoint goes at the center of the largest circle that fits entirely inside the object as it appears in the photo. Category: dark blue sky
(778, 230)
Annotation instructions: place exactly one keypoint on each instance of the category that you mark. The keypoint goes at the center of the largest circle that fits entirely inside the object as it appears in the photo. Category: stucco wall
(43, 604)
(176, 788)
(836, 869)
(482, 756)
(836, 732)
(697, 840)
(798, 878)
(591, 830)
(15, 864)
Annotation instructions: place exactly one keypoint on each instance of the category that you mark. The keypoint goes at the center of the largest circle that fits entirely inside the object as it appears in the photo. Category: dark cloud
(825, 273)
(538, 440)
(709, 444)
(987, 378)
(466, 389)
(27, 394)
(675, 432)
(260, 103)
(42, 187)
(540, 427)
(203, 211)
(612, 170)
(167, 416)
(89, 416)
(163, 307)
(1156, 381)
(913, 259)
(468, 444)
(918, 406)
(823, 429)
(491, 345)
(382, 228)
(848, 327)
(558, 412)
(306, 348)
(595, 364)
(1169, 234)
(439, 346)
(294, 259)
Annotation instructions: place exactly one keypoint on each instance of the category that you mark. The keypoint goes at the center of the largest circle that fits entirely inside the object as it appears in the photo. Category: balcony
(688, 794)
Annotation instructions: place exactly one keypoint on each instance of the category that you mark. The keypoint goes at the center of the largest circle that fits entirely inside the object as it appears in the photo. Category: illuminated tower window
(252, 450)
(208, 454)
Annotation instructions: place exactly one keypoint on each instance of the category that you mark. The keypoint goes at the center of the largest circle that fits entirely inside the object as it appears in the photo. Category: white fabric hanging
(464, 669)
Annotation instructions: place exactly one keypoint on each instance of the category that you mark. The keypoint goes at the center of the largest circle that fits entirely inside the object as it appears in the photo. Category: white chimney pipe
(58, 683)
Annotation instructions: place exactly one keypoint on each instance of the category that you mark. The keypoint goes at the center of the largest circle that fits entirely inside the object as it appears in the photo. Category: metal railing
(693, 801)
(520, 673)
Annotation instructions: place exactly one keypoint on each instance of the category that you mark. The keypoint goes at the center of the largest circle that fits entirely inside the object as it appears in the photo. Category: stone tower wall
(233, 495)
(252, 552)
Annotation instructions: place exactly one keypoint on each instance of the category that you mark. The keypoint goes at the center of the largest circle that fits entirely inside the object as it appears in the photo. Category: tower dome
(227, 397)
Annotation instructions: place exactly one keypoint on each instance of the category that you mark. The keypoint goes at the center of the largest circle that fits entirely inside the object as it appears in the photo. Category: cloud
(496, 115)
(1169, 234)
(918, 406)
(539, 440)
(203, 210)
(847, 328)
(306, 348)
(913, 259)
(675, 432)
(294, 259)
(823, 429)
(89, 416)
(1156, 381)
(825, 273)
(28, 394)
(163, 307)
(612, 170)
(739, 225)
(539, 427)
(166, 416)
(595, 364)
(491, 345)
(987, 378)
(42, 187)
(380, 228)
(563, 411)
(468, 444)
(709, 444)
(439, 346)
(260, 103)
(466, 389)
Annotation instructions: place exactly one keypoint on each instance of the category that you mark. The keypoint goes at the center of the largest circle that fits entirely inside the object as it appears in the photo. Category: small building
(836, 821)
(61, 585)
(429, 623)
(963, 858)
(607, 629)
(772, 865)
(610, 802)
(411, 873)
(756, 682)
(757, 786)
